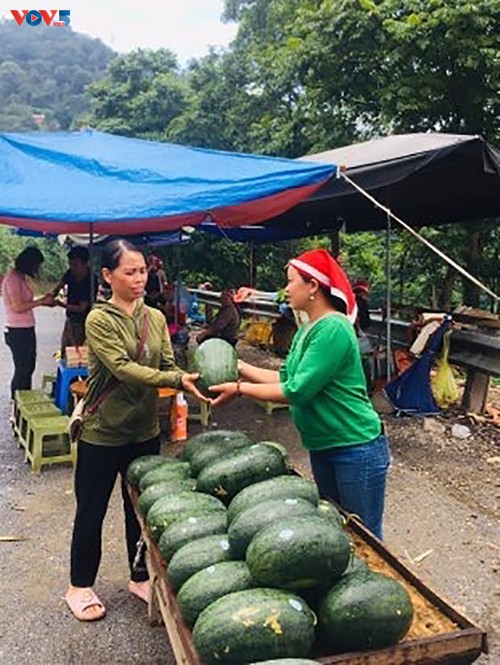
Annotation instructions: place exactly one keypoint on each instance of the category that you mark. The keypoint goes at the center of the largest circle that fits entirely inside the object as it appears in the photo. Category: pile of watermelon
(262, 568)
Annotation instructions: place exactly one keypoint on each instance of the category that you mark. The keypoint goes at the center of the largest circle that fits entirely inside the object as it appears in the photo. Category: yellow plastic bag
(444, 386)
(258, 333)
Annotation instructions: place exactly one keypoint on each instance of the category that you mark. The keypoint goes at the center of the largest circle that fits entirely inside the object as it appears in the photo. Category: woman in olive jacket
(130, 357)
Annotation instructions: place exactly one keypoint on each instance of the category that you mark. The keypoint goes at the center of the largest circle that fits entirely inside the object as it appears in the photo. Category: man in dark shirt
(226, 323)
(78, 299)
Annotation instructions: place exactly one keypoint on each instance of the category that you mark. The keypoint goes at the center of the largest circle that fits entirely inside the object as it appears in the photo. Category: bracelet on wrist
(238, 388)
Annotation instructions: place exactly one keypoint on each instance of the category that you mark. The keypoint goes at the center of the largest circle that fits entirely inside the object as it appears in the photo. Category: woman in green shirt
(323, 382)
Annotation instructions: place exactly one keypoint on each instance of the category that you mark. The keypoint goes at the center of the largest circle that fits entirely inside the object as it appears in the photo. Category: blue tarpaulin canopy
(89, 181)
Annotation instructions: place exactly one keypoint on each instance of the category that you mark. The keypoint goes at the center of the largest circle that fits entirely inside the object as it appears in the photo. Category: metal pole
(388, 272)
(91, 265)
(253, 266)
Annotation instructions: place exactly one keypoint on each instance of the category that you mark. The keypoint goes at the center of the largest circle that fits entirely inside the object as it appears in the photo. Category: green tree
(139, 96)
(351, 70)
(44, 72)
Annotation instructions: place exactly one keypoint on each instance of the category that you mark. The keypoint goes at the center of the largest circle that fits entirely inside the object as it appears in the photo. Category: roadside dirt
(442, 520)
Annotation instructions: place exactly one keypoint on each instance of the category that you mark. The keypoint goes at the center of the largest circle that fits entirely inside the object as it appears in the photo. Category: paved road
(36, 628)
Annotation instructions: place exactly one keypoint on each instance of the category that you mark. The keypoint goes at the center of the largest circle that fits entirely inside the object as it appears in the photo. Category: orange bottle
(178, 418)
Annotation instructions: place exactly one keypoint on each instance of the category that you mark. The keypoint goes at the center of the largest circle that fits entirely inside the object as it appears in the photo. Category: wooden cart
(439, 635)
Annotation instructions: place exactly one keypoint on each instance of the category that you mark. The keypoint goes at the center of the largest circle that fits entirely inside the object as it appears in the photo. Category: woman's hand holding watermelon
(189, 385)
(227, 392)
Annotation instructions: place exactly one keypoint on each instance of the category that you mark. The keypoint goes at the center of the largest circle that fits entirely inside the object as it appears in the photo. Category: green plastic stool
(203, 415)
(29, 411)
(48, 442)
(22, 397)
(48, 380)
(269, 407)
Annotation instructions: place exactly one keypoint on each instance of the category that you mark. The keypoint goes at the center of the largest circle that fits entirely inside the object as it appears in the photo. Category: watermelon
(189, 529)
(364, 610)
(248, 523)
(156, 491)
(282, 487)
(168, 509)
(256, 624)
(226, 477)
(327, 510)
(297, 553)
(356, 564)
(278, 446)
(141, 465)
(226, 438)
(195, 556)
(217, 362)
(210, 452)
(212, 583)
(164, 472)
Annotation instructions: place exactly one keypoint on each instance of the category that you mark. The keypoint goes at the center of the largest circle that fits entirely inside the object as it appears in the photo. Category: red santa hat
(321, 266)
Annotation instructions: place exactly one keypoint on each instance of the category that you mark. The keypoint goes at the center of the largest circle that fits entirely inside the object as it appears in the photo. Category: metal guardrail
(469, 349)
(251, 306)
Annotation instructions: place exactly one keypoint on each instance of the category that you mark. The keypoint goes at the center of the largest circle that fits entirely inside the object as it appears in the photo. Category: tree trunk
(335, 242)
(444, 302)
(471, 291)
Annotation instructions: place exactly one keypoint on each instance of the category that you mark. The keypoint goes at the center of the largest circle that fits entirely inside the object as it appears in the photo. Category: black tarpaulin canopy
(426, 179)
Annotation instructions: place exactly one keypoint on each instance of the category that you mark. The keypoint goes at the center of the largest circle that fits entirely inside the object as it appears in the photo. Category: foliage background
(301, 76)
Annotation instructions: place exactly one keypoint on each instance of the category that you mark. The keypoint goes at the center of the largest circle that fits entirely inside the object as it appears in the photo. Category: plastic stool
(203, 415)
(23, 397)
(269, 407)
(29, 411)
(48, 442)
(48, 380)
(64, 377)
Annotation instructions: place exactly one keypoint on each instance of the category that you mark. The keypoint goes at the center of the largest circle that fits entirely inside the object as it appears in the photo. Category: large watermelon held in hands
(217, 362)
(364, 610)
(253, 625)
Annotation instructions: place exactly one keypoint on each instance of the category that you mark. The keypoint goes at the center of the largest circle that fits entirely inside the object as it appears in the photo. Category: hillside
(43, 74)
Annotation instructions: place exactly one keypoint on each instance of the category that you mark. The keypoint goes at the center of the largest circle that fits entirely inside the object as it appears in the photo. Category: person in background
(130, 357)
(78, 299)
(19, 303)
(225, 324)
(361, 290)
(155, 283)
(322, 380)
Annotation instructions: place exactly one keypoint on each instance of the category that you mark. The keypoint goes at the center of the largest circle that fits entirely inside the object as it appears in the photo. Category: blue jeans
(354, 477)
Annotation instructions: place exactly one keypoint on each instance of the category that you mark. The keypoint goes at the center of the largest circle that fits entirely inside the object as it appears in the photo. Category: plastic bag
(444, 386)
(258, 333)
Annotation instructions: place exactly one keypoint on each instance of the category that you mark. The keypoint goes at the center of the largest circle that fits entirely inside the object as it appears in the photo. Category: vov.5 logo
(36, 16)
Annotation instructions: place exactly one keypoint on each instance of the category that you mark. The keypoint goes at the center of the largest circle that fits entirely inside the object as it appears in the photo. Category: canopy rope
(423, 240)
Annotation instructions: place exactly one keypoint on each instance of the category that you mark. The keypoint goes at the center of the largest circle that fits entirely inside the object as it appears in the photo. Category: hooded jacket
(129, 413)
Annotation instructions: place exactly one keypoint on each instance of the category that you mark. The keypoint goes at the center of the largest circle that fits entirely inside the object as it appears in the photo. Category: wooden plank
(163, 598)
(439, 636)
